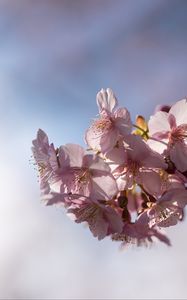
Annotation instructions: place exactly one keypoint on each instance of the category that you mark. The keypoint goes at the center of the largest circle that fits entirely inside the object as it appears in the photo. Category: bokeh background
(54, 57)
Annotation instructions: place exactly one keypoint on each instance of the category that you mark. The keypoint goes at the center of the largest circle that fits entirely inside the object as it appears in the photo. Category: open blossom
(112, 122)
(138, 164)
(84, 174)
(101, 218)
(171, 128)
(129, 184)
(168, 210)
(139, 233)
(45, 158)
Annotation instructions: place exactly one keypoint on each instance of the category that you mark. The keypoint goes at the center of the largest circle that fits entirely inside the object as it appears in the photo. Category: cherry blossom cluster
(130, 181)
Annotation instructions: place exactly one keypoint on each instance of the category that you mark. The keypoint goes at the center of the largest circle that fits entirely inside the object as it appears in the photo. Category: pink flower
(137, 164)
(171, 128)
(112, 123)
(102, 219)
(125, 189)
(45, 158)
(139, 233)
(169, 208)
(84, 174)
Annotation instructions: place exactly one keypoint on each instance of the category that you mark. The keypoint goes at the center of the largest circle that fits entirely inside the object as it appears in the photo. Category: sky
(54, 57)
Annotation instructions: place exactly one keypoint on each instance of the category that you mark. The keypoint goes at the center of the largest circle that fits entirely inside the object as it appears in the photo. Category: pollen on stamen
(133, 166)
(178, 134)
(164, 179)
(128, 240)
(101, 125)
(88, 213)
(163, 216)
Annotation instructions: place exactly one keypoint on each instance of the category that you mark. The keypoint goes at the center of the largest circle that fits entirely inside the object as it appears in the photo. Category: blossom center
(103, 124)
(178, 134)
(81, 180)
(83, 176)
(133, 166)
(41, 168)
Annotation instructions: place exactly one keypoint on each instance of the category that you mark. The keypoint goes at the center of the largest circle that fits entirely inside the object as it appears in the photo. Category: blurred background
(54, 57)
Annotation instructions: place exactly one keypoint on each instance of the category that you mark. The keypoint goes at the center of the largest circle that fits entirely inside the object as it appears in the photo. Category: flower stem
(147, 136)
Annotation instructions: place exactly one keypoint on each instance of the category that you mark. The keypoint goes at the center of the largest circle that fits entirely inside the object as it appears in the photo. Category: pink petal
(95, 163)
(92, 213)
(117, 156)
(70, 184)
(162, 237)
(142, 153)
(123, 184)
(41, 144)
(178, 155)
(170, 221)
(179, 111)
(176, 197)
(123, 121)
(103, 186)
(93, 139)
(53, 158)
(172, 121)
(106, 100)
(151, 181)
(108, 141)
(71, 155)
(158, 123)
(138, 150)
(41, 139)
(99, 227)
(154, 160)
(157, 146)
(54, 198)
(114, 220)
(103, 141)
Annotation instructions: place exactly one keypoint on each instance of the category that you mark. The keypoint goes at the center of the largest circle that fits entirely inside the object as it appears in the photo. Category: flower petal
(95, 163)
(151, 181)
(114, 220)
(178, 155)
(154, 160)
(41, 139)
(103, 141)
(103, 186)
(179, 111)
(159, 123)
(106, 100)
(71, 155)
(123, 121)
